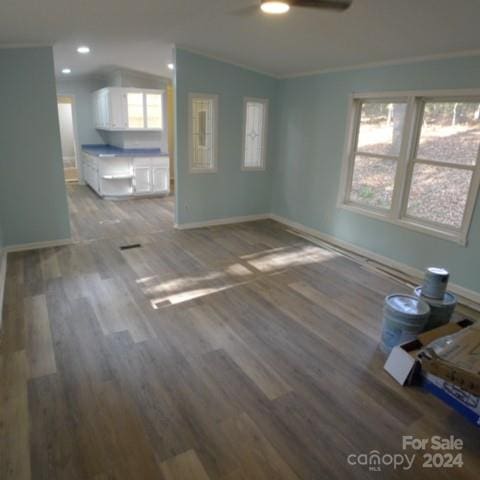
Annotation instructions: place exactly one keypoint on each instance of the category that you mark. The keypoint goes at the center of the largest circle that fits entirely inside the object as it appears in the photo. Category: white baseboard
(3, 275)
(414, 274)
(38, 245)
(223, 221)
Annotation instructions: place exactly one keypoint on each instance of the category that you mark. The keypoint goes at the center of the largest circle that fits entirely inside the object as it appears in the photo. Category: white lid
(438, 271)
(448, 298)
(407, 305)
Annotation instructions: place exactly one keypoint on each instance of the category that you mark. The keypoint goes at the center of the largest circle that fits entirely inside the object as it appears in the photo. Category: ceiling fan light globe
(274, 7)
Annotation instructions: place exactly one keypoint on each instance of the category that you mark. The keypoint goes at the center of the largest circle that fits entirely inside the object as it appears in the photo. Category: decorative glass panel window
(135, 110)
(203, 132)
(413, 160)
(376, 153)
(154, 110)
(255, 133)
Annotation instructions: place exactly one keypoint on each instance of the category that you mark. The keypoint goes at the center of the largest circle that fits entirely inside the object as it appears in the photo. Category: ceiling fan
(277, 7)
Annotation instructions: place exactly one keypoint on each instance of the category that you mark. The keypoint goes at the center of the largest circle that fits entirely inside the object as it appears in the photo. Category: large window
(414, 160)
(255, 133)
(203, 132)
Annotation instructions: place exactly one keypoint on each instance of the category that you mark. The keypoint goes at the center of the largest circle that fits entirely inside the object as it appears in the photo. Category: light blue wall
(82, 89)
(229, 192)
(33, 204)
(310, 137)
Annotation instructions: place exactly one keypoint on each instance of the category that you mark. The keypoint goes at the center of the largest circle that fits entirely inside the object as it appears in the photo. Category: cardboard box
(456, 361)
(402, 363)
(463, 402)
(404, 366)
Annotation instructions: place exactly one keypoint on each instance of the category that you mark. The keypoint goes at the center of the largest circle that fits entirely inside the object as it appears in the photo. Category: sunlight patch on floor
(285, 257)
(268, 262)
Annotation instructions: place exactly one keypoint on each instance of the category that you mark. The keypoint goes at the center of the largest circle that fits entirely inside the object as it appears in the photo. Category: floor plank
(40, 353)
(186, 466)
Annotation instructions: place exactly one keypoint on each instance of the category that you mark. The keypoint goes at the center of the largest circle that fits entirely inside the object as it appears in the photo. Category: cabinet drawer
(142, 162)
(163, 162)
(116, 166)
(151, 162)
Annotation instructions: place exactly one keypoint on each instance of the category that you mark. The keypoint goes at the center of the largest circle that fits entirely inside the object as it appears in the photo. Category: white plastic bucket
(435, 283)
(441, 311)
(404, 317)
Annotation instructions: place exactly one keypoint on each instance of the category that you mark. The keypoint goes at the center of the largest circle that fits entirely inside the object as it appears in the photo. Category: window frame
(265, 103)
(214, 99)
(407, 159)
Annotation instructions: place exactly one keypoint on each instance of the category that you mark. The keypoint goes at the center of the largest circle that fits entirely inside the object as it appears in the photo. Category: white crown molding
(219, 58)
(384, 63)
(345, 68)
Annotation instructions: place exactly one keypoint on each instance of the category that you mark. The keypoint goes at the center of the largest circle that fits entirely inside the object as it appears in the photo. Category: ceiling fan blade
(325, 4)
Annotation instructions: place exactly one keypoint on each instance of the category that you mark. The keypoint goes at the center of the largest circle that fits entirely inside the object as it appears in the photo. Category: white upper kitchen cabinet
(108, 108)
(118, 108)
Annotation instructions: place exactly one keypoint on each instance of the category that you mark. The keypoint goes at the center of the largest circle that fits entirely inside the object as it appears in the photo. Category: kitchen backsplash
(138, 140)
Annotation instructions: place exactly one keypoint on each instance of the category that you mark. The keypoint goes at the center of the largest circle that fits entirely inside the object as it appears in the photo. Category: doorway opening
(68, 137)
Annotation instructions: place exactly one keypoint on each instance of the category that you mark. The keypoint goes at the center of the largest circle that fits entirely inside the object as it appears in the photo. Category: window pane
(135, 110)
(439, 194)
(202, 133)
(373, 180)
(381, 128)
(154, 110)
(254, 132)
(202, 129)
(450, 132)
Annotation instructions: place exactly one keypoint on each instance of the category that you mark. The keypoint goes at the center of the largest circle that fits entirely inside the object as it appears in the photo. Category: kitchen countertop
(111, 151)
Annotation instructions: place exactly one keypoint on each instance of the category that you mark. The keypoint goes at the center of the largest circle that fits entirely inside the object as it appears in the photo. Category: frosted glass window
(255, 134)
(203, 112)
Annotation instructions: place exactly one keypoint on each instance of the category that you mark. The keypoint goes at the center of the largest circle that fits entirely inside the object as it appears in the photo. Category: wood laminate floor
(238, 352)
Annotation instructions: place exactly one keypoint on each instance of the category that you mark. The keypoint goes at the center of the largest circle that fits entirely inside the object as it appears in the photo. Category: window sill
(459, 238)
(253, 169)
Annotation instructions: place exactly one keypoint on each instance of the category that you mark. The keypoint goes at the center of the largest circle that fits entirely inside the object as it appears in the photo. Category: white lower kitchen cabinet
(160, 179)
(142, 182)
(151, 175)
(120, 177)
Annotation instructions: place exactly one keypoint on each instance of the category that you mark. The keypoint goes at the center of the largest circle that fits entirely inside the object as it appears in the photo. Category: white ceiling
(139, 34)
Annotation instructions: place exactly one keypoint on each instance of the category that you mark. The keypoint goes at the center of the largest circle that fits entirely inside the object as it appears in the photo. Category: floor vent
(129, 247)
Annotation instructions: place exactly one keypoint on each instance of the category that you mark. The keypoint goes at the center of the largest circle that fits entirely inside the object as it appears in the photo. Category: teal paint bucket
(441, 311)
(404, 317)
(435, 283)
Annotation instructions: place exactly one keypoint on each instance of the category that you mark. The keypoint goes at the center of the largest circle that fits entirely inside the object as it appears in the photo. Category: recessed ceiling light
(274, 7)
(66, 71)
(171, 66)
(83, 49)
